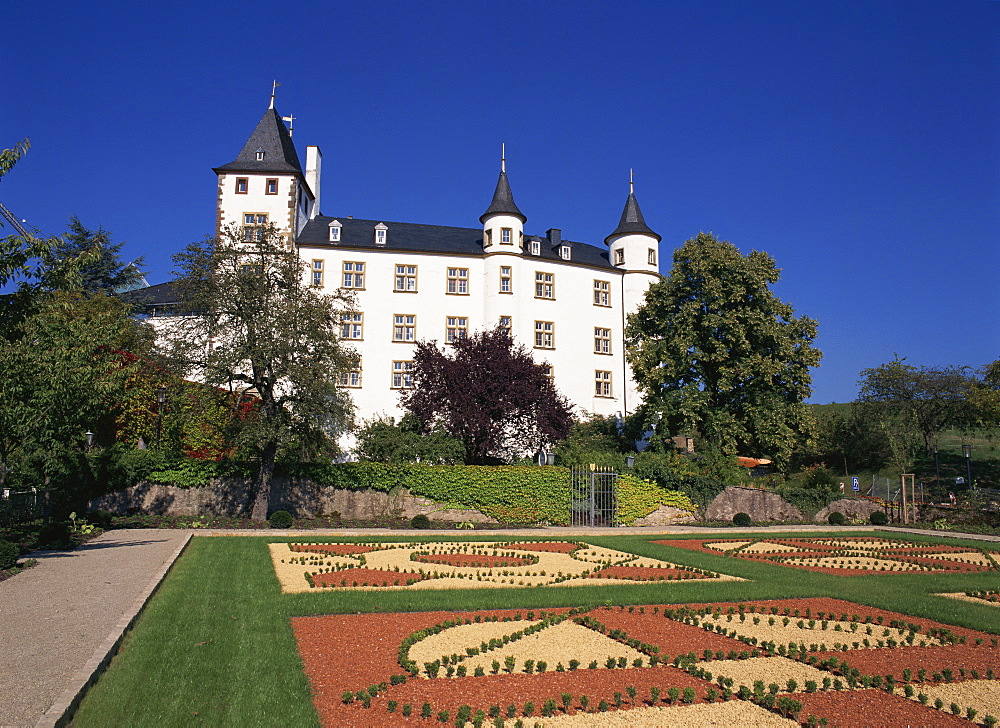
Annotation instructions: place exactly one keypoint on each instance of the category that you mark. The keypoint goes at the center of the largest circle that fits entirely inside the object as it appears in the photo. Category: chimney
(555, 236)
(314, 163)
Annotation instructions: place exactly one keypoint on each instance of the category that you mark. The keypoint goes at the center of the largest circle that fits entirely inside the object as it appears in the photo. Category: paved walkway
(61, 620)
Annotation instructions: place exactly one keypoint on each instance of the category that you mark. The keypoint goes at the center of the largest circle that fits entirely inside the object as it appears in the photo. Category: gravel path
(61, 618)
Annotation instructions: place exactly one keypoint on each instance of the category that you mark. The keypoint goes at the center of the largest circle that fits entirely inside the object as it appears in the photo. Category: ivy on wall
(510, 494)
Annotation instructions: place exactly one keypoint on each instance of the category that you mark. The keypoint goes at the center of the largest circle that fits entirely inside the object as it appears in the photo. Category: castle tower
(265, 184)
(503, 244)
(634, 248)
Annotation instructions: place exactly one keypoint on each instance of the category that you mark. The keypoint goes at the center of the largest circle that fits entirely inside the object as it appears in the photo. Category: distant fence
(21, 506)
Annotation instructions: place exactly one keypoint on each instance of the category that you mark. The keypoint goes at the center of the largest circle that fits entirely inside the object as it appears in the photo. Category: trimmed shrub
(836, 518)
(8, 554)
(280, 519)
(878, 518)
(54, 535)
(742, 519)
(420, 521)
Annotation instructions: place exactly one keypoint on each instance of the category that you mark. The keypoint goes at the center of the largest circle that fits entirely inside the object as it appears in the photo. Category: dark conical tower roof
(632, 221)
(272, 138)
(503, 201)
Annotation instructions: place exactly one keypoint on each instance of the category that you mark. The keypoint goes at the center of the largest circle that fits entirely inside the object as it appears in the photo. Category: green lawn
(215, 646)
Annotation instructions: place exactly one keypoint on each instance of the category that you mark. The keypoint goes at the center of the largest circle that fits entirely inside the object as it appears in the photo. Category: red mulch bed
(644, 573)
(673, 638)
(481, 560)
(366, 577)
(887, 661)
(868, 708)
(339, 549)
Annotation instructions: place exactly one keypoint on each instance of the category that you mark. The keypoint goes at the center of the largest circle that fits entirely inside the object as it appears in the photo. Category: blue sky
(856, 142)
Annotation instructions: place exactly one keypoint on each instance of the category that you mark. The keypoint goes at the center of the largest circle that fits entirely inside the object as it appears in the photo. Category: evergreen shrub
(836, 518)
(420, 521)
(742, 519)
(280, 519)
(9, 553)
(878, 518)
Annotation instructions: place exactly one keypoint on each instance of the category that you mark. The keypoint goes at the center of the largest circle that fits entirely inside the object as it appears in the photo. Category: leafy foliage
(715, 351)
(594, 439)
(638, 498)
(383, 440)
(490, 394)
(104, 271)
(278, 340)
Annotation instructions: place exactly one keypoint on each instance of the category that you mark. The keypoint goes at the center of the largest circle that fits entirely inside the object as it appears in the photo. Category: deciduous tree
(715, 352)
(258, 328)
(489, 393)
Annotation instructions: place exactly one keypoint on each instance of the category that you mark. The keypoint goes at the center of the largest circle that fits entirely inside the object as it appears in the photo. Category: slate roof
(413, 237)
(632, 221)
(503, 201)
(271, 136)
(162, 297)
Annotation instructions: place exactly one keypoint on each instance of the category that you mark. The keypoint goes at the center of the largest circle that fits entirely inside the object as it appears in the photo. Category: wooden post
(906, 511)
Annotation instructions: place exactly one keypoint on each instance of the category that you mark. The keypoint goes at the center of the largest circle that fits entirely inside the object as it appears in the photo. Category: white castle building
(564, 300)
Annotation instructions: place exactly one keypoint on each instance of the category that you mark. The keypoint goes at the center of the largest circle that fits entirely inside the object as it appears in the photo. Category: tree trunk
(262, 497)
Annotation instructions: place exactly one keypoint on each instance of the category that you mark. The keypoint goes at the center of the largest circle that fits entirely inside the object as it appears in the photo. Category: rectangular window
(652, 256)
(271, 187)
(317, 272)
(354, 275)
(351, 378)
(564, 252)
(550, 371)
(602, 340)
(404, 327)
(506, 235)
(402, 375)
(505, 276)
(602, 293)
(545, 285)
(620, 256)
(458, 281)
(254, 226)
(545, 335)
(352, 326)
(379, 236)
(242, 185)
(602, 384)
(536, 247)
(334, 234)
(506, 324)
(406, 278)
(456, 327)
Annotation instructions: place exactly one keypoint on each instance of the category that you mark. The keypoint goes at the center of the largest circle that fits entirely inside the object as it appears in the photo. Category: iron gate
(594, 497)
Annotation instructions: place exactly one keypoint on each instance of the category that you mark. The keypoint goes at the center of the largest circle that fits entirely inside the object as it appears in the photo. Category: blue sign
(855, 484)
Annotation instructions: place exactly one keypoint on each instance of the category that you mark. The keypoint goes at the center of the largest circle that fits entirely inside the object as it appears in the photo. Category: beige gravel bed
(730, 713)
(968, 557)
(559, 643)
(763, 547)
(552, 568)
(781, 633)
(962, 596)
(982, 695)
(769, 669)
(867, 563)
(727, 545)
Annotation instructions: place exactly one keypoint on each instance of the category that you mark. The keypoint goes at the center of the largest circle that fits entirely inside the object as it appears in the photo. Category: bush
(420, 521)
(280, 519)
(878, 518)
(102, 519)
(836, 518)
(8, 554)
(54, 535)
(742, 519)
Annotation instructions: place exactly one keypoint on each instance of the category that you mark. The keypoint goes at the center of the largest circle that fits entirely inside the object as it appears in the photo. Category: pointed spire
(503, 198)
(632, 221)
(274, 87)
(269, 148)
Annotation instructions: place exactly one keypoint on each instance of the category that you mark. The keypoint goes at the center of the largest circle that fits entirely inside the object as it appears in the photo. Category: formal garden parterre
(778, 647)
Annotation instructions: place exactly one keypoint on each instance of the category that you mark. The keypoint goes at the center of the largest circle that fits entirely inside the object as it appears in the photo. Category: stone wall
(665, 516)
(303, 499)
(851, 508)
(760, 505)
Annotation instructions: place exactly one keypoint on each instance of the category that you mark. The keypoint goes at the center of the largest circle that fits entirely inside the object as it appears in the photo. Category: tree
(105, 272)
(985, 395)
(383, 440)
(259, 329)
(918, 400)
(715, 351)
(490, 394)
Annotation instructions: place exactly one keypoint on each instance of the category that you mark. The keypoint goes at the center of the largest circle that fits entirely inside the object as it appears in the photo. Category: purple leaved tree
(489, 393)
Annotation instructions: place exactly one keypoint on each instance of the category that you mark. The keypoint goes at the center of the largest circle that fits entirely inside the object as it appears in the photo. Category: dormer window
(564, 252)
(380, 233)
(260, 154)
(335, 231)
(536, 247)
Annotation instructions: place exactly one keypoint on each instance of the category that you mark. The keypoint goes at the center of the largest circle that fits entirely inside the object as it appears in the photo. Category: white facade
(565, 301)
